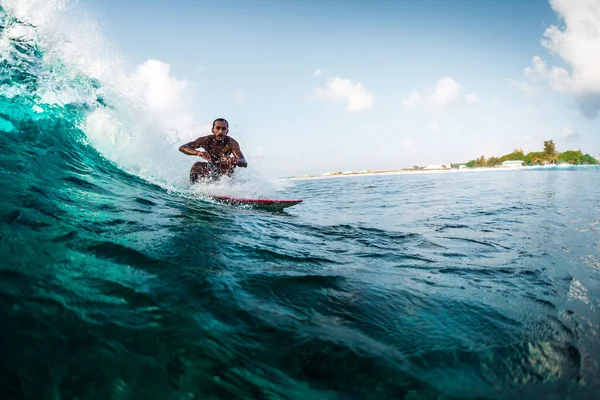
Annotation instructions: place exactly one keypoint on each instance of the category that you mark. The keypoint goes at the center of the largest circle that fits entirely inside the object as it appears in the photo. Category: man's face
(220, 130)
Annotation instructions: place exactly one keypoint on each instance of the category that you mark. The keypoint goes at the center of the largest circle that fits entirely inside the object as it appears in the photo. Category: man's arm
(190, 148)
(239, 160)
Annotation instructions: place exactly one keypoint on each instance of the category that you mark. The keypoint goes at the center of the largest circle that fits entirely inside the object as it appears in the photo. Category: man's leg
(202, 170)
(198, 171)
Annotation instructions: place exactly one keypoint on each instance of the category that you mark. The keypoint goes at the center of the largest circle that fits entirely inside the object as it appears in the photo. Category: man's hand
(228, 162)
(204, 155)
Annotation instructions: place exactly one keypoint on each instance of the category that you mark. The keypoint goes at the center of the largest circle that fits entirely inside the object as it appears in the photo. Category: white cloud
(158, 88)
(472, 98)
(495, 99)
(318, 71)
(523, 86)
(558, 78)
(414, 99)
(577, 44)
(569, 133)
(167, 97)
(446, 92)
(239, 96)
(338, 89)
(433, 126)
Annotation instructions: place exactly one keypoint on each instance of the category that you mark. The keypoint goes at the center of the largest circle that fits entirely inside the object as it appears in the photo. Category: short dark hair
(220, 120)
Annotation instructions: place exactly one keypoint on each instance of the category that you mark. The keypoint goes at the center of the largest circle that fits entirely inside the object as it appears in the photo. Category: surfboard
(263, 204)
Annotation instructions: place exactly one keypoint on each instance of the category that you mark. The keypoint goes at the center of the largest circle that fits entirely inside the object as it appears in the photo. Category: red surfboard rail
(258, 203)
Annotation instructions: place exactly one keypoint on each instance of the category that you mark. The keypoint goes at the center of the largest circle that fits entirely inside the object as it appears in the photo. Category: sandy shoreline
(433, 171)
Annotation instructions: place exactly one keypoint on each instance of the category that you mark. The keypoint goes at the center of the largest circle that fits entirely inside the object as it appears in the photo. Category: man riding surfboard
(221, 152)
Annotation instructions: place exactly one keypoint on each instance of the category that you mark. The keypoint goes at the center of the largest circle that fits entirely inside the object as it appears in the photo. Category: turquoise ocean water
(117, 281)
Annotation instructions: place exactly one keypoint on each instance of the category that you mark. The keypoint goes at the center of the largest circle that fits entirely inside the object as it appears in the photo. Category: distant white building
(513, 163)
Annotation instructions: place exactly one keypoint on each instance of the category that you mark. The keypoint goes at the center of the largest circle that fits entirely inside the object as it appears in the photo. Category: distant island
(548, 156)
(516, 159)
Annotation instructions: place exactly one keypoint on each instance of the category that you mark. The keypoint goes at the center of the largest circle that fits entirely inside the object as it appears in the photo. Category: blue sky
(317, 86)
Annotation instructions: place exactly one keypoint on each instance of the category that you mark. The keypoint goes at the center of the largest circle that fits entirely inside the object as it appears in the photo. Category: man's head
(220, 128)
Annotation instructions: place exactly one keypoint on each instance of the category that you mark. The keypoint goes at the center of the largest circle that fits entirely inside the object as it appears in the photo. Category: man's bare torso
(215, 148)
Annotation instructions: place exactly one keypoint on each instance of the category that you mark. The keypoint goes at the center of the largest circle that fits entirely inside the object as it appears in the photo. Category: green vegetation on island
(548, 156)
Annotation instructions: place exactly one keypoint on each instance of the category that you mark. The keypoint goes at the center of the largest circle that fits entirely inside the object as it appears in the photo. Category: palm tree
(549, 147)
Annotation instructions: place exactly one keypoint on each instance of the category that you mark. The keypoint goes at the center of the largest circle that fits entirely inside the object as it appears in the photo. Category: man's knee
(197, 171)
(198, 165)
(202, 170)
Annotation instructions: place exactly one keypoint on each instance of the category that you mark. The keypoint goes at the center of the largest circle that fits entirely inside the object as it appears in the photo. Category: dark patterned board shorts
(207, 171)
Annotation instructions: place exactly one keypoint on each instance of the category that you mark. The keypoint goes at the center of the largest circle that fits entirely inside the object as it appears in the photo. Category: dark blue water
(414, 286)
(466, 285)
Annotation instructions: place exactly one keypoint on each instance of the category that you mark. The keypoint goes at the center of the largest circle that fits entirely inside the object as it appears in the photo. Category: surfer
(221, 152)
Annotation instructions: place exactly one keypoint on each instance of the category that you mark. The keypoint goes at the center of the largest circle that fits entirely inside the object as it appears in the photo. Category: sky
(312, 86)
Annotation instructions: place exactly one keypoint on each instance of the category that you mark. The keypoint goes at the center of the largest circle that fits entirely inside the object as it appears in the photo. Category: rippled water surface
(461, 285)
